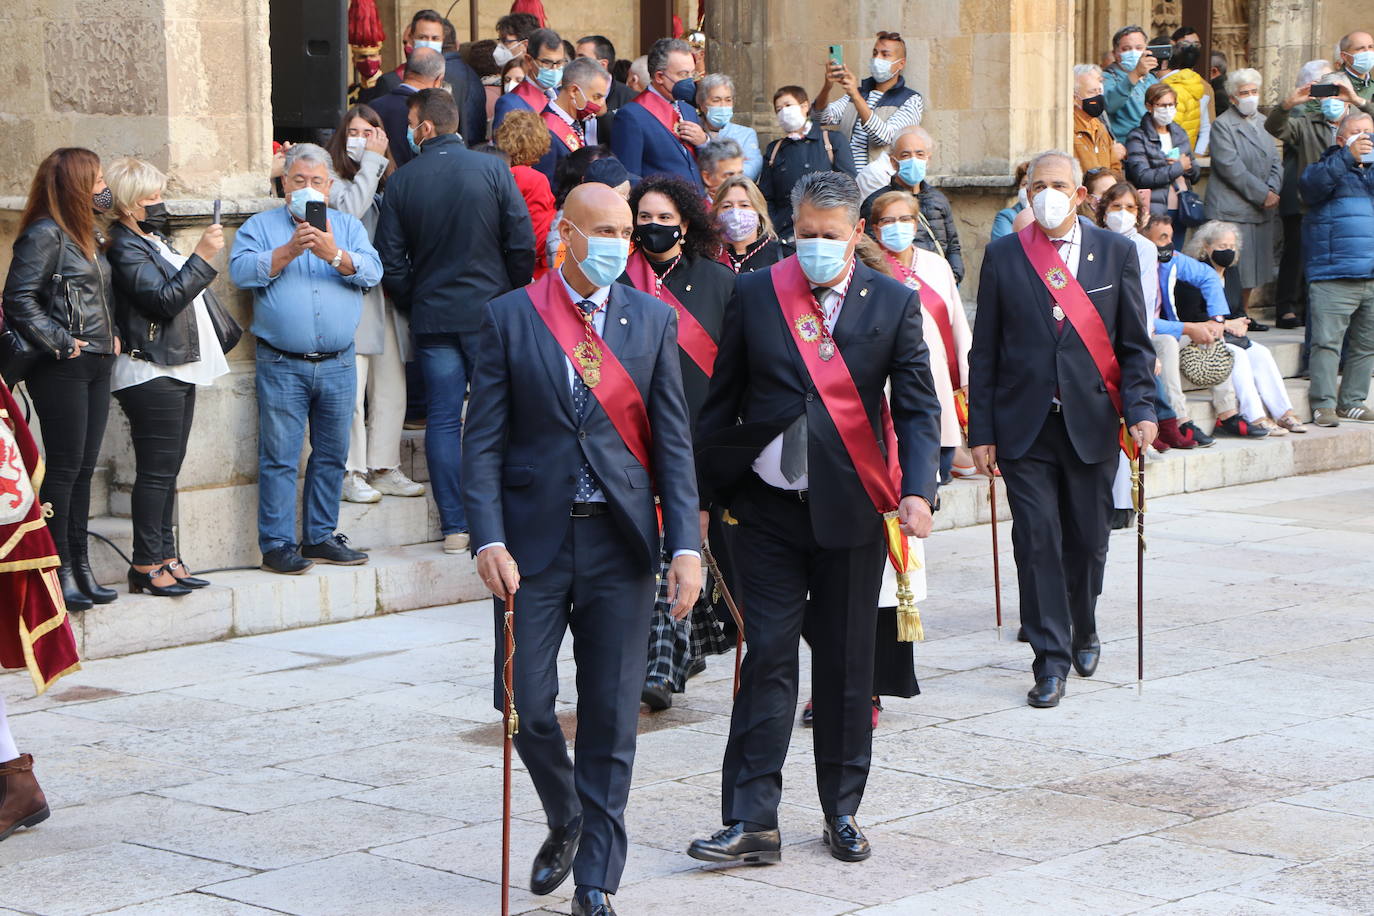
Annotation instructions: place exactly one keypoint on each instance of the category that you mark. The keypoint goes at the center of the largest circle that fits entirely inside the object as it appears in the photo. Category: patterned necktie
(1059, 249)
(793, 460)
(582, 399)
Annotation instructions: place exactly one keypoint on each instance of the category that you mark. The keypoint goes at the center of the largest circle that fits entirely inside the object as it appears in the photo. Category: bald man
(910, 156)
(575, 421)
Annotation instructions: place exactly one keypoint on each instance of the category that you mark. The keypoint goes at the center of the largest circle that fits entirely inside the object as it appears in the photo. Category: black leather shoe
(140, 582)
(1258, 325)
(1021, 635)
(74, 597)
(187, 580)
(844, 839)
(808, 718)
(1289, 321)
(592, 901)
(335, 551)
(554, 860)
(285, 560)
(1047, 692)
(85, 580)
(1086, 656)
(735, 844)
(657, 694)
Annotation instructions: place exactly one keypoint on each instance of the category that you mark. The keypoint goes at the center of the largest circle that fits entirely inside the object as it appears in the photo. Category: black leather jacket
(54, 293)
(152, 299)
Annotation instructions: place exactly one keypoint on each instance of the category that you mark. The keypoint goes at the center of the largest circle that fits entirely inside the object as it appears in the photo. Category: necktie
(1059, 249)
(582, 398)
(792, 462)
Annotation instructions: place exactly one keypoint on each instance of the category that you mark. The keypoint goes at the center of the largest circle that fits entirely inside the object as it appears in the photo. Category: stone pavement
(355, 768)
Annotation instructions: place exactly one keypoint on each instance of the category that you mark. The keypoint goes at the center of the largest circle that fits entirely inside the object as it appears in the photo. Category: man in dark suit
(424, 70)
(658, 133)
(453, 234)
(576, 117)
(600, 49)
(1042, 408)
(792, 456)
(561, 498)
(544, 63)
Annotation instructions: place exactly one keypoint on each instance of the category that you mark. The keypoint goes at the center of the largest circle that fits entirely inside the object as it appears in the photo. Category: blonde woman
(748, 240)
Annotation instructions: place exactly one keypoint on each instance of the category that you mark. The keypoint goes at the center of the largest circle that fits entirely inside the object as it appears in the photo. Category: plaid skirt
(677, 646)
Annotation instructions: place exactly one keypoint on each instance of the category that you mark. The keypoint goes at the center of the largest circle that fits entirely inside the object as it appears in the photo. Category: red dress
(534, 187)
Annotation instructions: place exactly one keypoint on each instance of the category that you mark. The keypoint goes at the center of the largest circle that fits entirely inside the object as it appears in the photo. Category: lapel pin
(689, 287)
(863, 292)
(624, 321)
(1090, 256)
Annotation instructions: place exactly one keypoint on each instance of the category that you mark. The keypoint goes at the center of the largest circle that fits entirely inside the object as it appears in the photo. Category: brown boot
(21, 801)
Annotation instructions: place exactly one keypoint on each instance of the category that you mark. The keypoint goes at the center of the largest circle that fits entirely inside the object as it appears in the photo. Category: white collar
(598, 296)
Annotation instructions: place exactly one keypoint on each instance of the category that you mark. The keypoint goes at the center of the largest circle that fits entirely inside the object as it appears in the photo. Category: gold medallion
(589, 358)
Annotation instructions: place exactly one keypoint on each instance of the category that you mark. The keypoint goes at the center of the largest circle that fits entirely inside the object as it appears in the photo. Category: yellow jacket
(1191, 89)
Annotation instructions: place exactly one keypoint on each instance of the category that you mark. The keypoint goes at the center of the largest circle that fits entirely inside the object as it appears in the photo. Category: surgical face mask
(822, 260)
(880, 68)
(685, 91)
(1130, 60)
(1223, 257)
(912, 171)
(1164, 114)
(1248, 105)
(501, 55)
(550, 78)
(1051, 207)
(656, 237)
(605, 260)
(511, 84)
(1362, 61)
(719, 115)
(410, 138)
(1165, 253)
(1094, 105)
(432, 45)
(791, 118)
(1122, 221)
(355, 147)
(103, 201)
(1333, 109)
(299, 198)
(897, 237)
(1021, 197)
(739, 223)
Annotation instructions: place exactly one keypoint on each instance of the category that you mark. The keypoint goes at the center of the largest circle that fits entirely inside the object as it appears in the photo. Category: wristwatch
(338, 259)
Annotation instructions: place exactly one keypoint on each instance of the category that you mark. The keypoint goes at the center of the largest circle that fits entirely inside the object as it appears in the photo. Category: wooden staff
(996, 559)
(512, 720)
(734, 610)
(1139, 486)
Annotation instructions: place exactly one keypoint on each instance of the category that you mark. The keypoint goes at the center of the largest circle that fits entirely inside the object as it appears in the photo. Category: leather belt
(588, 510)
(314, 357)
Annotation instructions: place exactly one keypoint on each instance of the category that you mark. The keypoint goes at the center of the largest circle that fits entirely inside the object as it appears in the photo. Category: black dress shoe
(735, 844)
(140, 582)
(1289, 321)
(285, 560)
(657, 694)
(1047, 692)
(74, 597)
(555, 857)
(844, 839)
(335, 551)
(1258, 326)
(592, 901)
(1021, 635)
(187, 580)
(85, 580)
(1086, 656)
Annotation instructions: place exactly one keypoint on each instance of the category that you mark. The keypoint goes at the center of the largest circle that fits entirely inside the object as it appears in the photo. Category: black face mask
(156, 219)
(1223, 257)
(656, 237)
(1166, 253)
(1094, 106)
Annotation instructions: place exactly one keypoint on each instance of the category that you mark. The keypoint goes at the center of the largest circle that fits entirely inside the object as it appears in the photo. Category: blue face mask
(1362, 61)
(1130, 59)
(898, 237)
(912, 171)
(605, 260)
(685, 91)
(410, 138)
(719, 115)
(822, 260)
(1333, 109)
(432, 45)
(300, 197)
(549, 79)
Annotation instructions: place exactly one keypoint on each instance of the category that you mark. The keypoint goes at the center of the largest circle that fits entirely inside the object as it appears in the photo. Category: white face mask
(355, 147)
(1164, 115)
(1122, 221)
(511, 84)
(1021, 197)
(1248, 105)
(501, 55)
(1051, 208)
(791, 118)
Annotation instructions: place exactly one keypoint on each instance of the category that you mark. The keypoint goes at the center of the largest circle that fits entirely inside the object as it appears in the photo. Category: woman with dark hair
(675, 260)
(361, 153)
(748, 240)
(58, 297)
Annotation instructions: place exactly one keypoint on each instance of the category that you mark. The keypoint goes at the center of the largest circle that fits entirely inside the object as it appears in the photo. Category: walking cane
(1139, 482)
(512, 719)
(996, 560)
(734, 611)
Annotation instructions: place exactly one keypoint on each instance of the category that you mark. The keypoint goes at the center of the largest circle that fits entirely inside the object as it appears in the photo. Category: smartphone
(314, 215)
(1325, 91)
(217, 211)
(1161, 52)
(836, 53)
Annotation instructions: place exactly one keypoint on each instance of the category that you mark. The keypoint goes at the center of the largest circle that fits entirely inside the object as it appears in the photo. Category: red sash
(562, 130)
(616, 392)
(531, 94)
(665, 113)
(932, 303)
(691, 336)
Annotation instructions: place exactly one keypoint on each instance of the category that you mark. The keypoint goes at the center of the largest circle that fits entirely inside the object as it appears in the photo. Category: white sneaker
(357, 490)
(456, 543)
(393, 483)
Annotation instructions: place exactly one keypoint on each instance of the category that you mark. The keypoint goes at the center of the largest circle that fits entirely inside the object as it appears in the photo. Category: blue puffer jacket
(1338, 230)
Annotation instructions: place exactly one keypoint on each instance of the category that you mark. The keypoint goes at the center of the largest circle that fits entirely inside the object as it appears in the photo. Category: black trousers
(596, 586)
(1290, 293)
(72, 399)
(778, 562)
(160, 413)
(1061, 509)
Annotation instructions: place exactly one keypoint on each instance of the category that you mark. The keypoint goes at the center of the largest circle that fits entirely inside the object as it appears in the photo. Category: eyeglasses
(893, 220)
(550, 64)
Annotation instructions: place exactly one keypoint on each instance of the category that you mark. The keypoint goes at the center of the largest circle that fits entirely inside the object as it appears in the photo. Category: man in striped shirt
(874, 111)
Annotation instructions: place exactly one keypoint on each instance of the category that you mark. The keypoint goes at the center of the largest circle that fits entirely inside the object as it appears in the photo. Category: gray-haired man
(576, 116)
(779, 446)
(719, 161)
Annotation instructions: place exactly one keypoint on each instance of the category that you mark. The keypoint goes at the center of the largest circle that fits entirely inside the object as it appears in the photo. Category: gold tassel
(909, 627)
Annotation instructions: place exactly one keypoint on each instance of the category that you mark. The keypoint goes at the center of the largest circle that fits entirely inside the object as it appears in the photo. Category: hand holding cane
(734, 610)
(512, 723)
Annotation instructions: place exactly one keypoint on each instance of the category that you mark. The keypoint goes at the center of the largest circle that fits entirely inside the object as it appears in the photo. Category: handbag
(1191, 210)
(227, 330)
(17, 356)
(1208, 365)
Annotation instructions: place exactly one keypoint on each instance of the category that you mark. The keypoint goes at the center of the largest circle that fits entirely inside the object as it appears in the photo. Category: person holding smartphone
(874, 111)
(1126, 81)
